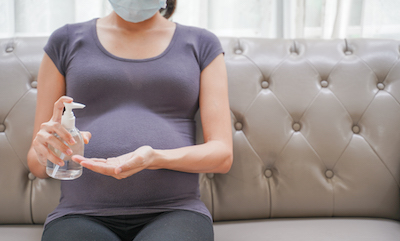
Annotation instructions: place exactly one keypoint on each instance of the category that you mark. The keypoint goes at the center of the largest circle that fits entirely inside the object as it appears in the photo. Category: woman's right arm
(49, 107)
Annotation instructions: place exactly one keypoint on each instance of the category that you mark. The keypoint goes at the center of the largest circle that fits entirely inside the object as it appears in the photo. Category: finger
(79, 159)
(59, 107)
(59, 145)
(128, 172)
(44, 154)
(55, 159)
(96, 165)
(45, 139)
(99, 167)
(41, 153)
(56, 127)
(86, 136)
(64, 134)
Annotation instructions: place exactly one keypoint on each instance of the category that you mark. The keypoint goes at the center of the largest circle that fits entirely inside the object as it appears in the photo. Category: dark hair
(169, 10)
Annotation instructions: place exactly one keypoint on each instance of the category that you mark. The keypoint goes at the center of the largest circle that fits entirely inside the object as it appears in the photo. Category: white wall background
(242, 18)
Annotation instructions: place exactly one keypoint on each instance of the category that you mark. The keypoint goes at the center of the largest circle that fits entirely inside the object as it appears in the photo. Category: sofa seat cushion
(20, 232)
(321, 229)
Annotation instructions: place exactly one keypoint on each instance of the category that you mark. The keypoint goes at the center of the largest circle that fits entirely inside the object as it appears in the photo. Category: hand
(45, 136)
(119, 167)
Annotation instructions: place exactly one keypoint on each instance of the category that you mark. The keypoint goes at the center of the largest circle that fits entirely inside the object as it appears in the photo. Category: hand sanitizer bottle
(71, 170)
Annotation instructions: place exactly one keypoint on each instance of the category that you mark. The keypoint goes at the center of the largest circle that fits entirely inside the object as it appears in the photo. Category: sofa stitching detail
(11, 109)
(389, 73)
(377, 155)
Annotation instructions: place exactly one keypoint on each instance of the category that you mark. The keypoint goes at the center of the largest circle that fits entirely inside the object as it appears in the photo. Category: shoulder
(69, 30)
(200, 38)
(64, 40)
(197, 32)
(82, 26)
(204, 43)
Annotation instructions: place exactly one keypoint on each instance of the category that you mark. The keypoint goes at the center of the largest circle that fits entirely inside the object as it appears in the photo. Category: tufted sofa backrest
(23, 198)
(315, 126)
(316, 129)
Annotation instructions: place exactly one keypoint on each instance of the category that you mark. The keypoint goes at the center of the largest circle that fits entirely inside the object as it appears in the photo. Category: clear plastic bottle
(71, 170)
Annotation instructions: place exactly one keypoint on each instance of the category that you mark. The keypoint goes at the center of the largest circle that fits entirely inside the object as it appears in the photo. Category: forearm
(51, 86)
(211, 157)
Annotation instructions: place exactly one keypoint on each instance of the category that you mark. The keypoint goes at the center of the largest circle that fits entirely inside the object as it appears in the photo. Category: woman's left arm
(214, 155)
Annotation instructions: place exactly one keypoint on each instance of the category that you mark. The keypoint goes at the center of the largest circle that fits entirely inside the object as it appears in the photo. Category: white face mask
(137, 10)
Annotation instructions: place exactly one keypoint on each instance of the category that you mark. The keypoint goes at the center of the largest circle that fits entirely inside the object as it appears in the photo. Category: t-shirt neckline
(105, 51)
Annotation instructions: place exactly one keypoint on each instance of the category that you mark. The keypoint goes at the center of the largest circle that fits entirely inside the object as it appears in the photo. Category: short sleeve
(57, 48)
(210, 48)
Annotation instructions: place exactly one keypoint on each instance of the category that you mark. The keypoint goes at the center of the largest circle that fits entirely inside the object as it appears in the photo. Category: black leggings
(175, 225)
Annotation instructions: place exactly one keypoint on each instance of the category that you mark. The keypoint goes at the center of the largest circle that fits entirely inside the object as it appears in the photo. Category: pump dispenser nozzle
(68, 118)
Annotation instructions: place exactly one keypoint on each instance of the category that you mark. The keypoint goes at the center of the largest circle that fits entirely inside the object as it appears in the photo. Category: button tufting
(268, 173)
(238, 51)
(34, 84)
(296, 126)
(238, 126)
(210, 175)
(264, 84)
(348, 52)
(2, 128)
(329, 173)
(324, 83)
(293, 49)
(380, 86)
(31, 176)
(9, 49)
(356, 129)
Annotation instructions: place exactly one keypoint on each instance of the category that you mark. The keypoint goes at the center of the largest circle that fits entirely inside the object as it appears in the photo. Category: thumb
(86, 135)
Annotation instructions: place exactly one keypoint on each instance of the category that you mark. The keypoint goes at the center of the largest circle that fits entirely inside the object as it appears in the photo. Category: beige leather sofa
(316, 129)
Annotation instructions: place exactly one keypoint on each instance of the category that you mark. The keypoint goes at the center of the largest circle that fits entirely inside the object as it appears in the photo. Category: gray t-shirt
(131, 103)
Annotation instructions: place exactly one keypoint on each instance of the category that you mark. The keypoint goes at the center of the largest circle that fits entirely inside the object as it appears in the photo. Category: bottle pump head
(68, 118)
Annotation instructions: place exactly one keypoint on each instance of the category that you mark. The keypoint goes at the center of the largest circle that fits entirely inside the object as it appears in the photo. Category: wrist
(155, 160)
